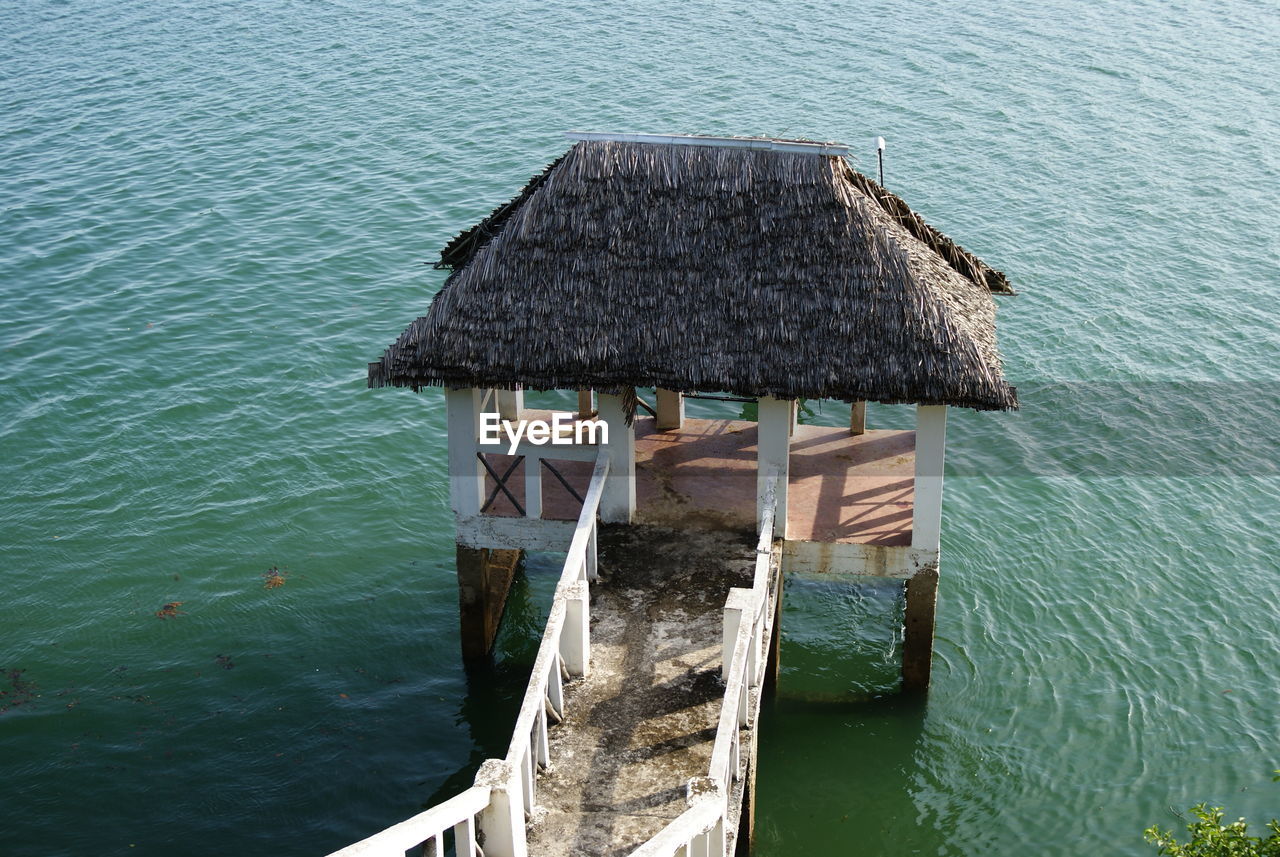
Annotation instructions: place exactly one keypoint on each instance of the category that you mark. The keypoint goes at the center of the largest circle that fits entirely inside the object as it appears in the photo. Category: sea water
(229, 620)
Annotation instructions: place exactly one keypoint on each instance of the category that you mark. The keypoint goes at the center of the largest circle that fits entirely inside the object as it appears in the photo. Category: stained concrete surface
(643, 722)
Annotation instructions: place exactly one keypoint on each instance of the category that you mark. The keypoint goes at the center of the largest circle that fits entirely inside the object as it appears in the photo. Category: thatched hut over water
(765, 269)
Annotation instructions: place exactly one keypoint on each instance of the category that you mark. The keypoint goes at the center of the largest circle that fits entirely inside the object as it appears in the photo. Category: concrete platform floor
(843, 488)
(643, 722)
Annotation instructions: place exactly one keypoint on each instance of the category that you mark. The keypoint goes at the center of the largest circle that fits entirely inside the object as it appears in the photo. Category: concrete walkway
(643, 722)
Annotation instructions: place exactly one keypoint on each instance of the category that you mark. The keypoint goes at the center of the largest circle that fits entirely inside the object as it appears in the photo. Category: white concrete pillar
(736, 607)
(510, 403)
(774, 456)
(466, 474)
(502, 821)
(931, 447)
(575, 636)
(532, 487)
(593, 556)
(618, 502)
(712, 842)
(858, 418)
(670, 410)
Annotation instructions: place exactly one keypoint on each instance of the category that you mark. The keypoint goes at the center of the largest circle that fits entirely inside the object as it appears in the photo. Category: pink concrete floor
(843, 488)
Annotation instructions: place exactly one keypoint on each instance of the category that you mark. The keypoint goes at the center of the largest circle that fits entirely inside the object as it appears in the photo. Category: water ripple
(214, 219)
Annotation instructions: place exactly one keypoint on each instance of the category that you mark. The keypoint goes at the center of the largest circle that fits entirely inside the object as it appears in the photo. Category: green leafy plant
(1211, 838)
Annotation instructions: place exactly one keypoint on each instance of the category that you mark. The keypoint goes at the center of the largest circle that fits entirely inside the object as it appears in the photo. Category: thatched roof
(747, 271)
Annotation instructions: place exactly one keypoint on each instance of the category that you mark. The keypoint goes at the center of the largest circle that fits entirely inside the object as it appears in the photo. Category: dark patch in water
(18, 691)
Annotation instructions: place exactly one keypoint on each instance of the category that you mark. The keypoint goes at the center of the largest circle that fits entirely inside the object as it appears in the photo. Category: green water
(213, 215)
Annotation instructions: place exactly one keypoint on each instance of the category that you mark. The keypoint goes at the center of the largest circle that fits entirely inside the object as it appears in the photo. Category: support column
(858, 418)
(585, 410)
(774, 456)
(618, 502)
(931, 448)
(670, 410)
(917, 636)
(510, 403)
(484, 579)
(926, 532)
(466, 474)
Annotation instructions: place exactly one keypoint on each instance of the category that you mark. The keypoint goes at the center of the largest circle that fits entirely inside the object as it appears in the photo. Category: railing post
(555, 689)
(502, 821)
(753, 653)
(712, 842)
(464, 837)
(575, 638)
(593, 569)
(736, 606)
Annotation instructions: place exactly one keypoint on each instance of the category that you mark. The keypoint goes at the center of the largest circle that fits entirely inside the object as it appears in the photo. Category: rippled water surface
(213, 214)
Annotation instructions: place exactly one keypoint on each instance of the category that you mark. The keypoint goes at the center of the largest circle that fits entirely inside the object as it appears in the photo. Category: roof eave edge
(722, 142)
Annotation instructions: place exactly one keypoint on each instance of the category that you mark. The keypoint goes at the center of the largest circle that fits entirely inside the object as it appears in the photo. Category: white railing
(427, 830)
(505, 790)
(698, 831)
(565, 651)
(748, 625)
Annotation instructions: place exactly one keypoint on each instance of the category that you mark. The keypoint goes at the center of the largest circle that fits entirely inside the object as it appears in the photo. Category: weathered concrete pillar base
(484, 579)
(917, 638)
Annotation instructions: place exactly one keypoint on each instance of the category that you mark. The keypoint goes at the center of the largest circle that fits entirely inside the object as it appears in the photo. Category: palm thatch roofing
(714, 268)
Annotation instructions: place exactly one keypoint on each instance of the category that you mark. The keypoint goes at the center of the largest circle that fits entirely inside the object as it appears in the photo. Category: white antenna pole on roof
(880, 157)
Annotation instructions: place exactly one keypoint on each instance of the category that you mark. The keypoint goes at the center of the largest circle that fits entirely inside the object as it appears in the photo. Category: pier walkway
(642, 723)
(636, 734)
